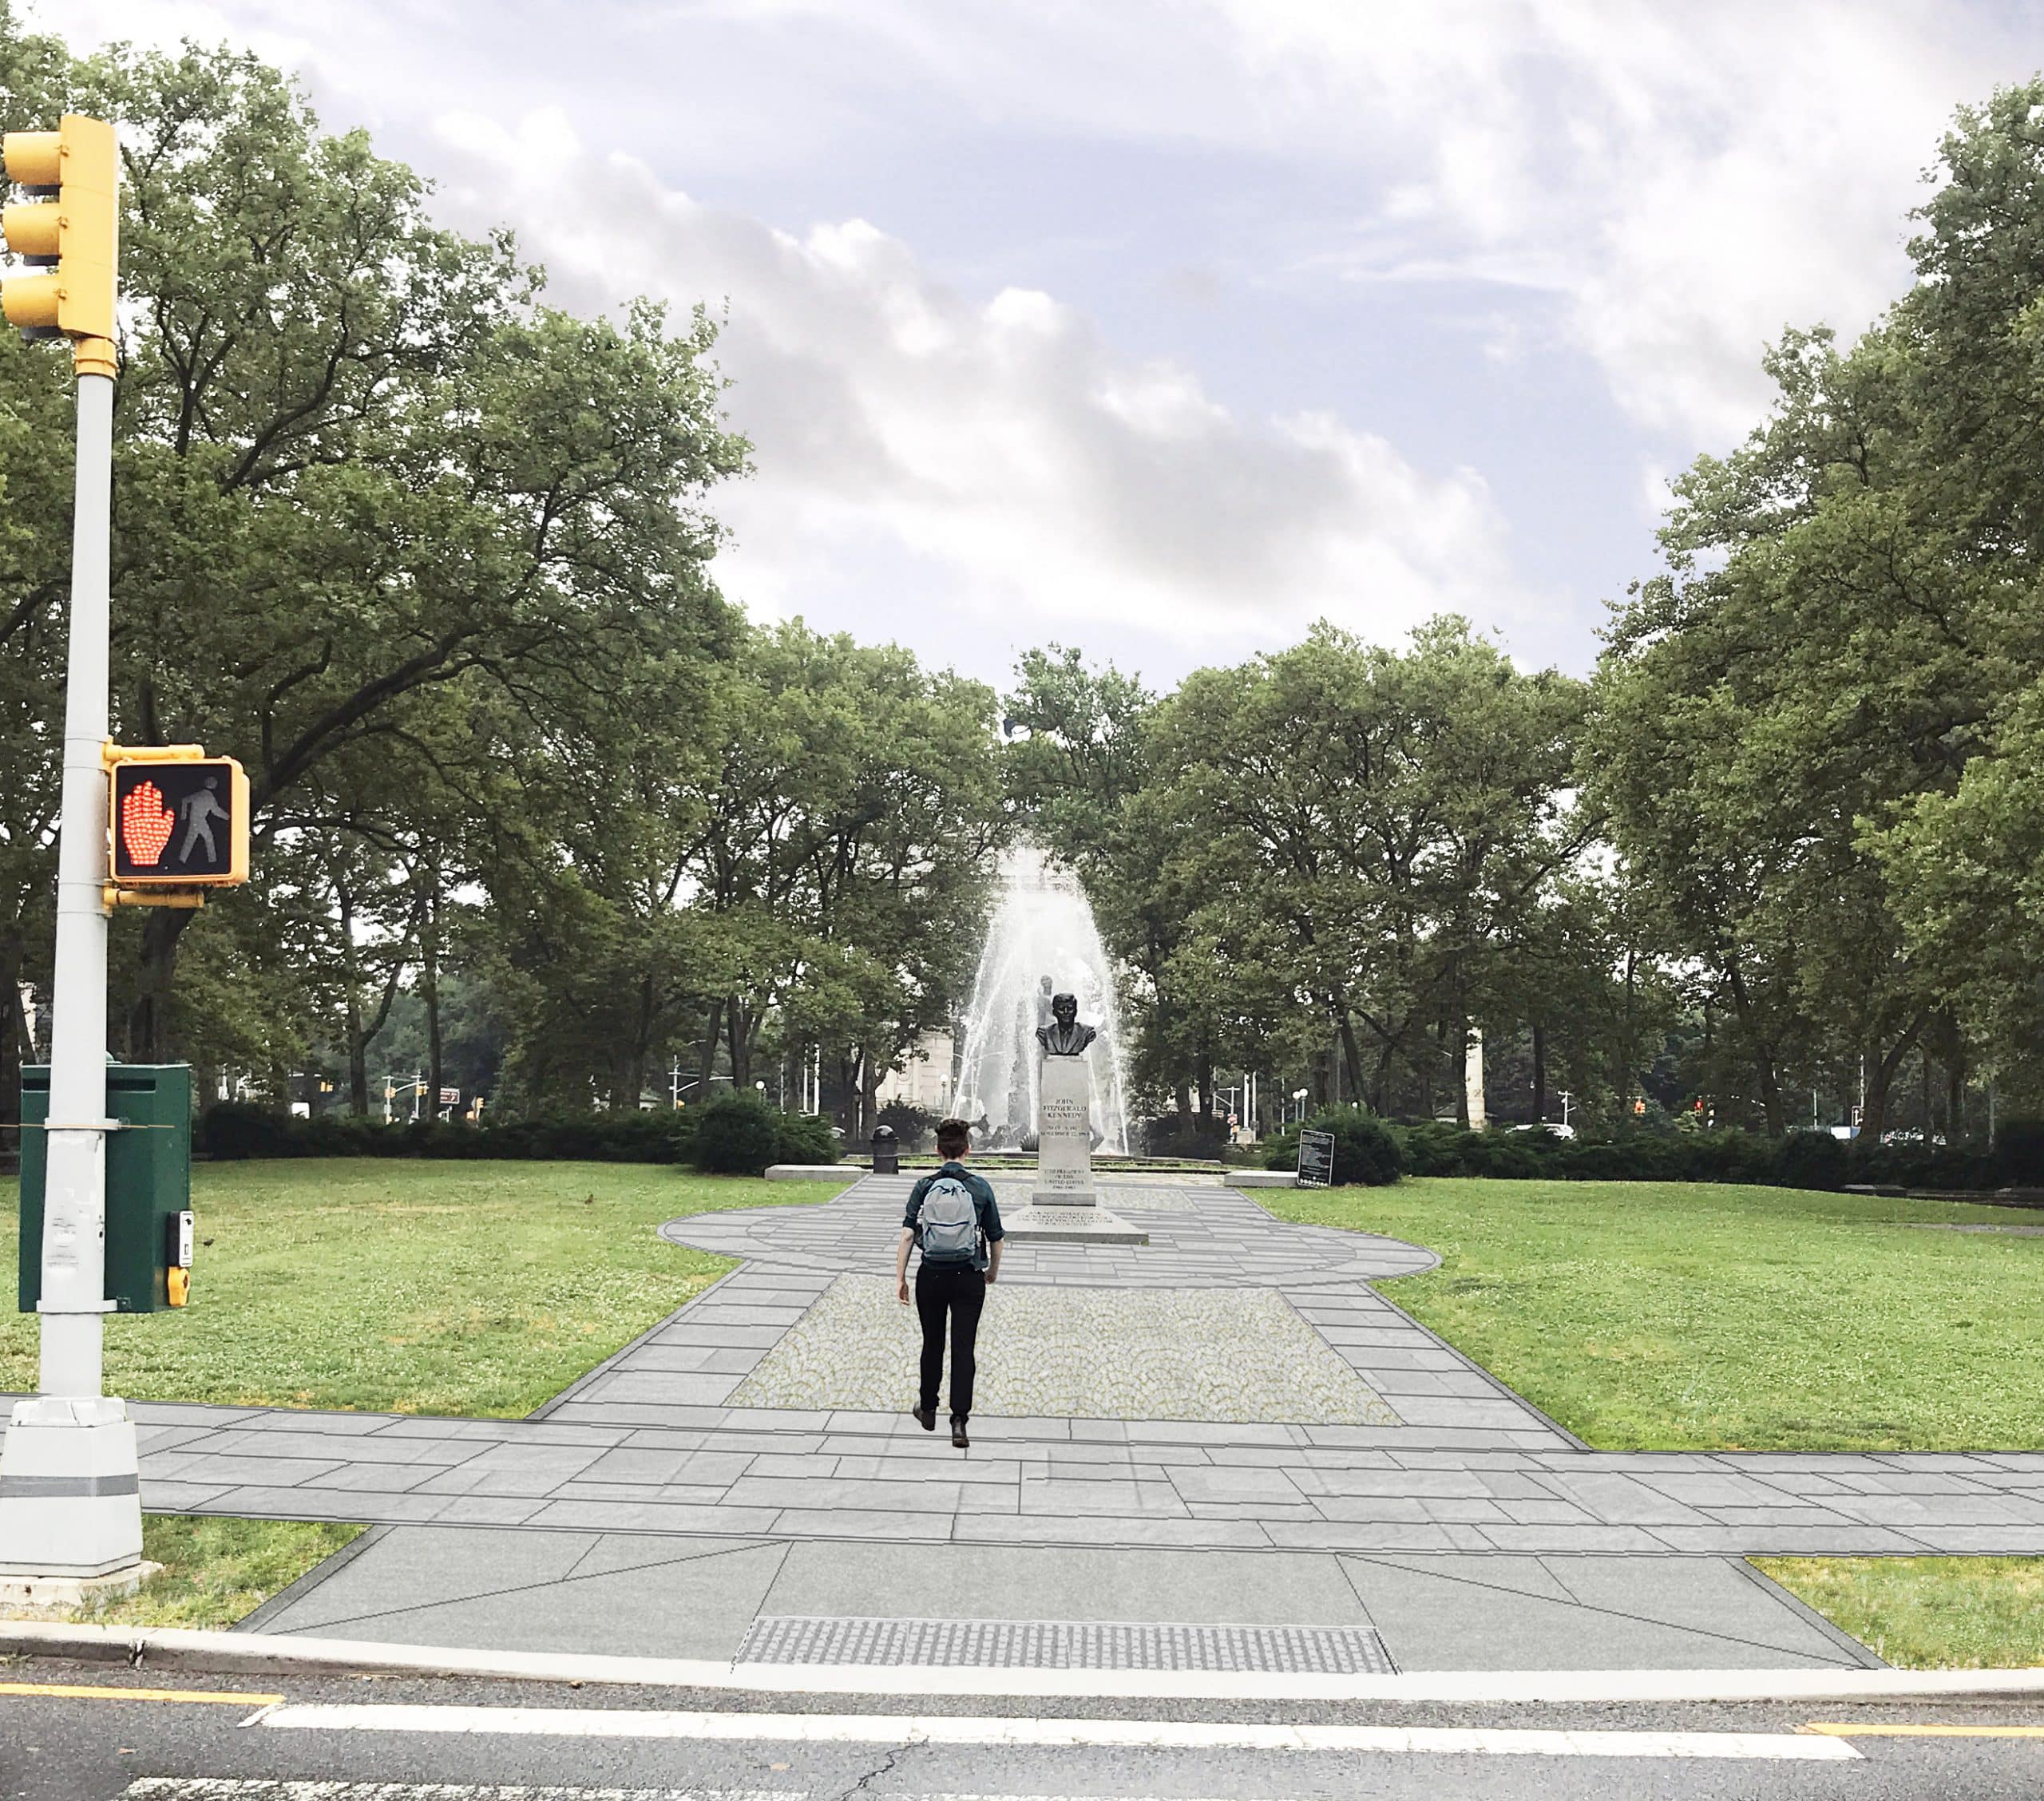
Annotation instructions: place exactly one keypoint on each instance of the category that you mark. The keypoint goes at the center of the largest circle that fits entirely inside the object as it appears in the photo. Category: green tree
(1849, 620)
(385, 524)
(1368, 831)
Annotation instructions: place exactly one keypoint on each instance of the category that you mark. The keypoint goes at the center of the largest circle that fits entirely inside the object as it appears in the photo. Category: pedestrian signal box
(149, 1185)
(178, 821)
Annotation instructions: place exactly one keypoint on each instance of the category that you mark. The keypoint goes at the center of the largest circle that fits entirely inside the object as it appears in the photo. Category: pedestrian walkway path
(1137, 1483)
(660, 1437)
(1231, 1427)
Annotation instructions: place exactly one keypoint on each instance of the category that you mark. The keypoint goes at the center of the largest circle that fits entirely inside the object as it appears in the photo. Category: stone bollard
(886, 1152)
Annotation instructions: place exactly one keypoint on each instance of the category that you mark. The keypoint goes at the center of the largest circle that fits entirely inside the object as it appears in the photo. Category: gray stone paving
(733, 1598)
(650, 1507)
(857, 1476)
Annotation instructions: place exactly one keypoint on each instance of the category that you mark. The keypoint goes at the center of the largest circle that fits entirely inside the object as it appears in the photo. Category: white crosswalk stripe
(1138, 1734)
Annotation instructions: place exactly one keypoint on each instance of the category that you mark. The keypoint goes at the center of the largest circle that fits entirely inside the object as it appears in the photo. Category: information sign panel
(1316, 1159)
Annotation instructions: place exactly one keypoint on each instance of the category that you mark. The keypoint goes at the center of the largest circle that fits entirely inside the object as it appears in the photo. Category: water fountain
(1041, 939)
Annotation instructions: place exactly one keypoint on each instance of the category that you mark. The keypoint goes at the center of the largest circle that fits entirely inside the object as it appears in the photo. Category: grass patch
(1679, 1316)
(410, 1287)
(215, 1571)
(1927, 1612)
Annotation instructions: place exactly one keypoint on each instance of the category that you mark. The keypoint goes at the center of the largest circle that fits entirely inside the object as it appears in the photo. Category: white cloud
(1002, 440)
(1655, 190)
(1684, 180)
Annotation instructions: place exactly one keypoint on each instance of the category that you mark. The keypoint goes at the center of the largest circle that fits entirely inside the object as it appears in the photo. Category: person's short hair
(954, 1137)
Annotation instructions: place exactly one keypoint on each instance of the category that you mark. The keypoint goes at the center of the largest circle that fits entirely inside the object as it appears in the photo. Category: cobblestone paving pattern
(1076, 1353)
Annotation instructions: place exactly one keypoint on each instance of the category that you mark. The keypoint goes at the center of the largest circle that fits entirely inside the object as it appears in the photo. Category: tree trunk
(1380, 1078)
(1351, 1053)
(1765, 1075)
(12, 1037)
(741, 1038)
(1461, 1074)
(1203, 1074)
(1880, 1083)
(1954, 1097)
(351, 962)
(357, 1057)
(1539, 1072)
(148, 1020)
(361, 1030)
(872, 1075)
(641, 1047)
(428, 990)
(1634, 1072)
(711, 1033)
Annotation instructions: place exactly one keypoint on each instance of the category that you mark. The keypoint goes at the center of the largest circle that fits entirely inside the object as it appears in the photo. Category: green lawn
(215, 1571)
(1927, 1612)
(1680, 1315)
(419, 1287)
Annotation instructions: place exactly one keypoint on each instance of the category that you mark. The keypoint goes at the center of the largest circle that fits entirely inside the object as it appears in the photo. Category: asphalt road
(220, 1736)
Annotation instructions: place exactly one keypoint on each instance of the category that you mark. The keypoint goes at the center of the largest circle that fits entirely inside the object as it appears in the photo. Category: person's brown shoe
(923, 1417)
(958, 1435)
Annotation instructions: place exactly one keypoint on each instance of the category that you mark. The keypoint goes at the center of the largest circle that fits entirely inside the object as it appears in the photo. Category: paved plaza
(741, 1481)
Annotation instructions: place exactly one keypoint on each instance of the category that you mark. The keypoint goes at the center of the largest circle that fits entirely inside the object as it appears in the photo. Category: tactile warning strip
(1066, 1645)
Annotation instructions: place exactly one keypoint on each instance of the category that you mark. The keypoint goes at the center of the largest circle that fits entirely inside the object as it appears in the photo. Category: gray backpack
(950, 1222)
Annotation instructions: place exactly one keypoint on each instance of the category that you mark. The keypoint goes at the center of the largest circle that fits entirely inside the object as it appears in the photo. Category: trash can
(886, 1152)
(148, 1181)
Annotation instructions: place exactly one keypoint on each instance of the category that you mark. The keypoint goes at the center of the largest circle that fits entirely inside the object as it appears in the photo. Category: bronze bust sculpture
(1064, 1036)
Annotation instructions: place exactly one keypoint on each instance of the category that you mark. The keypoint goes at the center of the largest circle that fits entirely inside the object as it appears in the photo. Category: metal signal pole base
(70, 1510)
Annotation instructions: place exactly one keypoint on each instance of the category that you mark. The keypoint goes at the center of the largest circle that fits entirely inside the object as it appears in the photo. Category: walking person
(953, 1216)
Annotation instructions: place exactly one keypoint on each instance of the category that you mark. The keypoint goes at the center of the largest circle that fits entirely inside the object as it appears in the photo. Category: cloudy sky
(1164, 328)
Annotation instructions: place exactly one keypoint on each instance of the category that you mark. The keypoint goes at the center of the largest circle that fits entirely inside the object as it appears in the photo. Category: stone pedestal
(1064, 1135)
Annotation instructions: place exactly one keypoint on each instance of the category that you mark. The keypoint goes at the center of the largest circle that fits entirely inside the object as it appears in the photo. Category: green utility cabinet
(149, 1180)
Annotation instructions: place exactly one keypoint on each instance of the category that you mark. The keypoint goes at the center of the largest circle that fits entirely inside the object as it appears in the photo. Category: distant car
(1550, 1127)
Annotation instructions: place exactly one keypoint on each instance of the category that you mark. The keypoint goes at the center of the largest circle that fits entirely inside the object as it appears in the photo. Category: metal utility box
(148, 1181)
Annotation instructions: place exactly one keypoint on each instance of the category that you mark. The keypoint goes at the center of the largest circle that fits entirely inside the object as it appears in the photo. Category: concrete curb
(256, 1654)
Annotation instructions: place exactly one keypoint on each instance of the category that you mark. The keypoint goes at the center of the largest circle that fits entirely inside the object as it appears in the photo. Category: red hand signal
(145, 824)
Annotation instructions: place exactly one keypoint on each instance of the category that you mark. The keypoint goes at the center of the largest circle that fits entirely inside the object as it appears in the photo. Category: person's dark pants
(959, 1291)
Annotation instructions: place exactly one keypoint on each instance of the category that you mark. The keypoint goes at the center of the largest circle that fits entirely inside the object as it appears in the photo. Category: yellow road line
(1838, 1732)
(69, 1691)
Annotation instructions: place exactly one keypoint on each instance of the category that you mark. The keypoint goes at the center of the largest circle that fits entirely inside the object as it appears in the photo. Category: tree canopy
(538, 810)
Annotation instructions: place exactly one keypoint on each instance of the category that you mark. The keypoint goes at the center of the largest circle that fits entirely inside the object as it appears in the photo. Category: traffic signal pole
(75, 1204)
(70, 1513)
(69, 1508)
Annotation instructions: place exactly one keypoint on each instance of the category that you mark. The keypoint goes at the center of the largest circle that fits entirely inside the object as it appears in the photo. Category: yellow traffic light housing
(179, 823)
(69, 231)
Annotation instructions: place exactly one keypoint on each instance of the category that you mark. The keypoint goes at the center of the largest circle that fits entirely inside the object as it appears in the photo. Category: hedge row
(738, 1134)
(1799, 1160)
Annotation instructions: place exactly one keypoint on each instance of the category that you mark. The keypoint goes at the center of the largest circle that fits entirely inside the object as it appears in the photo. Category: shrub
(1199, 1136)
(2019, 1152)
(1365, 1152)
(1280, 1148)
(1811, 1160)
(805, 1138)
(909, 1124)
(739, 1135)
(231, 1130)
(234, 1130)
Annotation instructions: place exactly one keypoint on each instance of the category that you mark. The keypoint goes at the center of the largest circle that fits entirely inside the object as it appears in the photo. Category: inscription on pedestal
(1064, 1135)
